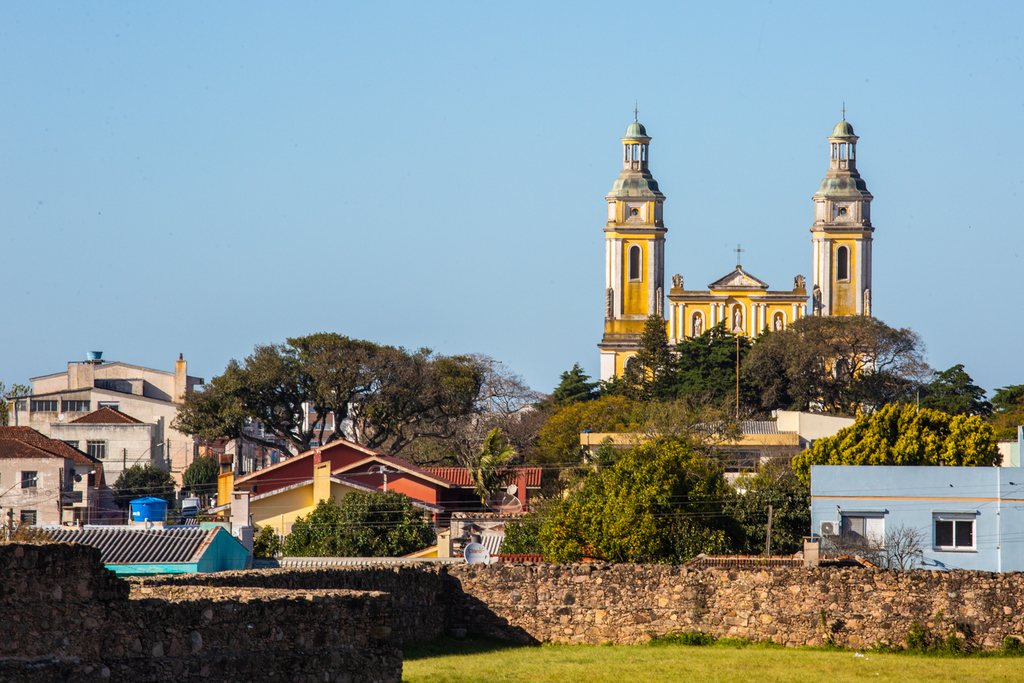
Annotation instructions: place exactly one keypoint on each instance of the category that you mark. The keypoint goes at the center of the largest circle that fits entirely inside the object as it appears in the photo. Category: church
(635, 260)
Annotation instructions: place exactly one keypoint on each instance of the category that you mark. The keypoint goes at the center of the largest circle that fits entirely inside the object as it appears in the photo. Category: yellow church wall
(634, 294)
(844, 293)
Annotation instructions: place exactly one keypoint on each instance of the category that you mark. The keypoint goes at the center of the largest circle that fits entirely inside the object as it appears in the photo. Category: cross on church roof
(738, 252)
(636, 112)
(844, 111)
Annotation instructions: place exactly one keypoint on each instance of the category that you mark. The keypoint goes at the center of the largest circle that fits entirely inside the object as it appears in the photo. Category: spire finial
(844, 111)
(636, 111)
(738, 252)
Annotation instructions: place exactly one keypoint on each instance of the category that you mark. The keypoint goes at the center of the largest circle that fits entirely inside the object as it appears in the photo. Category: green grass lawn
(495, 663)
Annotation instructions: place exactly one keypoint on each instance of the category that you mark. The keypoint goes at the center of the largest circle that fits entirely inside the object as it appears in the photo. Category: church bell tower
(841, 233)
(634, 254)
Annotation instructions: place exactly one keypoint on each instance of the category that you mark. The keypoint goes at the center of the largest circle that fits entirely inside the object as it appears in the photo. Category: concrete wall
(44, 498)
(811, 426)
(65, 617)
(914, 497)
(126, 443)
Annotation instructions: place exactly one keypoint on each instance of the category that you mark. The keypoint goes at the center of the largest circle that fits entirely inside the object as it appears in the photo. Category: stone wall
(65, 617)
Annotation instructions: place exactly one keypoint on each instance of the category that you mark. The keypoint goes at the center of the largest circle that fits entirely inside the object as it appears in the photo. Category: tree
(267, 543)
(844, 364)
(661, 502)
(954, 392)
(559, 439)
(706, 366)
(574, 387)
(904, 435)
(201, 476)
(142, 481)
(1008, 403)
(522, 536)
(774, 484)
(16, 390)
(491, 465)
(390, 396)
(366, 524)
(647, 372)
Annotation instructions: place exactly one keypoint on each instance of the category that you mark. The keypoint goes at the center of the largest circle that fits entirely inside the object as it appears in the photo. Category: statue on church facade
(737, 319)
(799, 282)
(698, 325)
(609, 303)
(677, 281)
(867, 302)
(816, 300)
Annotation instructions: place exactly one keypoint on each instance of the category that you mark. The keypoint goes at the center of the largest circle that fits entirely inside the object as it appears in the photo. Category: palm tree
(491, 465)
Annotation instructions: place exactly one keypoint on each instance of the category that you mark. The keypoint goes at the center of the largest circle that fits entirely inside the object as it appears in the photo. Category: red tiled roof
(107, 416)
(403, 465)
(53, 447)
(463, 477)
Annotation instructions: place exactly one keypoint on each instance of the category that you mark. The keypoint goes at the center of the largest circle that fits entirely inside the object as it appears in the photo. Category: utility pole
(737, 376)
(490, 383)
(124, 459)
(768, 540)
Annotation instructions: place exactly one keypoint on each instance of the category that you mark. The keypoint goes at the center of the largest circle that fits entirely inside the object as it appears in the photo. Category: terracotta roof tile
(460, 476)
(53, 447)
(106, 416)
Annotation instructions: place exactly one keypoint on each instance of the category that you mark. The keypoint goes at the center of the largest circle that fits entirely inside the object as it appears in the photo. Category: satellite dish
(476, 553)
(78, 478)
(512, 489)
(510, 504)
(60, 417)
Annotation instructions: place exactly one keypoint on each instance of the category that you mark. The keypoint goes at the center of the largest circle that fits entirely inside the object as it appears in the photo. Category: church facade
(841, 236)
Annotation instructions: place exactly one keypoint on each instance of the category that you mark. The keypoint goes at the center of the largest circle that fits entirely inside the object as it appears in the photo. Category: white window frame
(955, 518)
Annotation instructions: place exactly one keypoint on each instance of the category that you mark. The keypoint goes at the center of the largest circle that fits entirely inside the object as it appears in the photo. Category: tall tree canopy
(143, 481)
(954, 392)
(5, 406)
(904, 435)
(1008, 403)
(575, 385)
(706, 366)
(840, 363)
(391, 396)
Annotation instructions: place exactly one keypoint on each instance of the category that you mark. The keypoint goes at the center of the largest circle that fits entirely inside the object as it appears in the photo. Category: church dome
(842, 130)
(636, 130)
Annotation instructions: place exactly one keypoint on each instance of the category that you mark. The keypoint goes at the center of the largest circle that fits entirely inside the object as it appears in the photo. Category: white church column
(860, 277)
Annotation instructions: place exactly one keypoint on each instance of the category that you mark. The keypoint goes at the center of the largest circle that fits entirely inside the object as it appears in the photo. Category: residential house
(46, 481)
(114, 438)
(965, 517)
(150, 396)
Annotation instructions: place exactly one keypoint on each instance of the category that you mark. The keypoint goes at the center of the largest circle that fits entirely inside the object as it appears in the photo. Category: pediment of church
(738, 279)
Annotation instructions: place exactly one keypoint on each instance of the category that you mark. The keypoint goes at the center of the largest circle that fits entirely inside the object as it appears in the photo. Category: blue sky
(204, 177)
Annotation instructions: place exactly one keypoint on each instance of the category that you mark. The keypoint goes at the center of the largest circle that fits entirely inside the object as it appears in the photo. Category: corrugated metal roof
(759, 427)
(460, 476)
(141, 546)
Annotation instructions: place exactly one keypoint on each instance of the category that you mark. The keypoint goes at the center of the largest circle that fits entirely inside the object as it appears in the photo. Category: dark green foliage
(1009, 411)
(140, 481)
(693, 638)
(776, 485)
(491, 464)
(366, 524)
(705, 366)
(5, 407)
(522, 536)
(574, 387)
(201, 476)
(954, 393)
(267, 543)
(1013, 646)
(648, 373)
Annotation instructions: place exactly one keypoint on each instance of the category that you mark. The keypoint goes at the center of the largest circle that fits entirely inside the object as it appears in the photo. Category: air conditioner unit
(829, 528)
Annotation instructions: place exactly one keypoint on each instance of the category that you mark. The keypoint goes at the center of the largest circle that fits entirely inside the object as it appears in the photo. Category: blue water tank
(94, 355)
(148, 509)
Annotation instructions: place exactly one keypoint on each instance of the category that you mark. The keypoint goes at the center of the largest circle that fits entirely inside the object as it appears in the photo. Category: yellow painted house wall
(282, 509)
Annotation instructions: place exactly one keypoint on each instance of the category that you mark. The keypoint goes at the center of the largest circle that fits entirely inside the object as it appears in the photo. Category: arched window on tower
(842, 264)
(635, 263)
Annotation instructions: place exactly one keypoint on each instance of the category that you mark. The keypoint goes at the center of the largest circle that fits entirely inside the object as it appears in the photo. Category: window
(97, 449)
(28, 516)
(29, 480)
(842, 263)
(954, 531)
(73, 444)
(44, 406)
(109, 404)
(74, 406)
(635, 263)
(868, 528)
(313, 443)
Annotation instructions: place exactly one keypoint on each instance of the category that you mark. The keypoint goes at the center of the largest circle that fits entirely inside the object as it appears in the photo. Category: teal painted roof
(850, 186)
(635, 185)
(842, 130)
(636, 130)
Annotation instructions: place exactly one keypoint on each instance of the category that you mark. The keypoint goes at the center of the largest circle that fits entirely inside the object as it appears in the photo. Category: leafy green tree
(266, 543)
(16, 390)
(1008, 403)
(706, 366)
(905, 435)
(559, 439)
(366, 524)
(491, 464)
(954, 392)
(201, 476)
(574, 387)
(522, 536)
(843, 364)
(661, 502)
(774, 484)
(648, 372)
(141, 481)
(392, 396)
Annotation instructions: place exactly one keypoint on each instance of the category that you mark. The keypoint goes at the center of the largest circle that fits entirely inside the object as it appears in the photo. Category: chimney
(180, 378)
